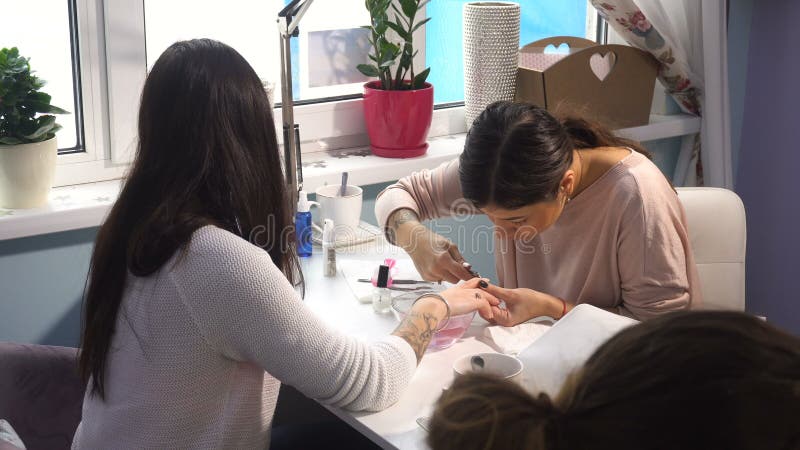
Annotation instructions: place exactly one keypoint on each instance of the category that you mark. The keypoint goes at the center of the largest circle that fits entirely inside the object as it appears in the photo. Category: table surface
(563, 348)
(331, 299)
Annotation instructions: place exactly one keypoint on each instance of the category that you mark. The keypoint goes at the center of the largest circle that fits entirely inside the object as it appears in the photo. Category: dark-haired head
(689, 380)
(207, 155)
(517, 164)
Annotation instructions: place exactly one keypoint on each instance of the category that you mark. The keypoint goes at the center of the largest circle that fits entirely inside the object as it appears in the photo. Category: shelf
(364, 168)
(86, 205)
(661, 127)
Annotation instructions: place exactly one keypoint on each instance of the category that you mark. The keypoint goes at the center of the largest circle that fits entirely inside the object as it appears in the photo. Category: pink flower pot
(398, 121)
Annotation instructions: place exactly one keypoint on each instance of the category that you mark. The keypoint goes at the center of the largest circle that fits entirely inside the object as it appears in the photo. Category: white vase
(491, 53)
(26, 173)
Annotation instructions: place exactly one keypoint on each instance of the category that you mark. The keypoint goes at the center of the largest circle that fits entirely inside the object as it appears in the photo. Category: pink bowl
(447, 336)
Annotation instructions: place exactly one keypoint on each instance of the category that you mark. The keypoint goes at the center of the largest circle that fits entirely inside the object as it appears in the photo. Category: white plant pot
(491, 54)
(26, 173)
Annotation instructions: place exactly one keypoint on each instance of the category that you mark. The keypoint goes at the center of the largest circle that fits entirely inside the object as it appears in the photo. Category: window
(95, 55)
(44, 31)
(330, 45)
(326, 85)
(332, 42)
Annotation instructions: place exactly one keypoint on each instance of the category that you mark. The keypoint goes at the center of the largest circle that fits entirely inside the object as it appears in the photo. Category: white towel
(567, 345)
(512, 340)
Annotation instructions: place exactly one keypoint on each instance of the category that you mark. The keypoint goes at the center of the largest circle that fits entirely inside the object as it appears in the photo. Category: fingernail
(483, 284)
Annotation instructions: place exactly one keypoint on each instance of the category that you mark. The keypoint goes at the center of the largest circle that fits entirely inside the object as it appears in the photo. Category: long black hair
(516, 154)
(207, 154)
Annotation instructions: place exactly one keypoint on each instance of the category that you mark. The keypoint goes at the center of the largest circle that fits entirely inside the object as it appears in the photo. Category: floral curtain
(651, 25)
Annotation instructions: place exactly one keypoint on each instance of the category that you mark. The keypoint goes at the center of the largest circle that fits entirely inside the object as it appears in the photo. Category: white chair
(718, 235)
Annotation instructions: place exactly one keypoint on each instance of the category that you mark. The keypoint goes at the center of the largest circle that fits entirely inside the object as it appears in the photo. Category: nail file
(367, 280)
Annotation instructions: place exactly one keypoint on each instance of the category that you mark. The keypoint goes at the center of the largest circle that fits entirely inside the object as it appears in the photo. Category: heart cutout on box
(562, 49)
(602, 65)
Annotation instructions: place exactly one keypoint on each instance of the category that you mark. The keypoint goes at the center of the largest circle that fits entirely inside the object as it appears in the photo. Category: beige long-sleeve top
(202, 345)
(622, 243)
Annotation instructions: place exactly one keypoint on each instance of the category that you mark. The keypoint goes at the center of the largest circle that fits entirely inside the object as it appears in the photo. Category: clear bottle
(382, 296)
(302, 225)
(328, 248)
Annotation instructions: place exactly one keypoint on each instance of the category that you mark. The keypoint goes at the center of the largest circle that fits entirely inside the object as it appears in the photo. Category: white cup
(344, 210)
(504, 366)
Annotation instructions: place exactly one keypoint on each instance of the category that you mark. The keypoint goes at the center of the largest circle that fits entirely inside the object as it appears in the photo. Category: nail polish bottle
(382, 296)
(328, 248)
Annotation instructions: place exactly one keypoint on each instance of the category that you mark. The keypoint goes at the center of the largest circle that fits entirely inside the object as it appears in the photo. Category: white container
(344, 211)
(503, 366)
(491, 53)
(329, 248)
(26, 173)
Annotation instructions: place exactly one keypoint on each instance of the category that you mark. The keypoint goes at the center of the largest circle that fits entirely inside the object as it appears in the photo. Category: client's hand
(522, 304)
(467, 297)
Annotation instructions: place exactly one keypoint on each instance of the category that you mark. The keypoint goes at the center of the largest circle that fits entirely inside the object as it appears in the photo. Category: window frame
(77, 100)
(93, 163)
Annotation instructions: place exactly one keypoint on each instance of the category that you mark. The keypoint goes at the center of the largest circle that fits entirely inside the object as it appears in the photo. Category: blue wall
(740, 14)
(41, 283)
(769, 161)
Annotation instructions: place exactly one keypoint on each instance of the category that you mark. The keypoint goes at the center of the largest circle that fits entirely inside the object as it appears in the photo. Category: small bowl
(498, 364)
(447, 336)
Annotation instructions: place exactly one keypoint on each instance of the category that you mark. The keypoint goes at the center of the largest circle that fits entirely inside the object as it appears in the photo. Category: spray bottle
(302, 225)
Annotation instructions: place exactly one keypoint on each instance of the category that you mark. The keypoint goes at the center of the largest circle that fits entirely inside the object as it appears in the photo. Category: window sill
(69, 208)
(86, 205)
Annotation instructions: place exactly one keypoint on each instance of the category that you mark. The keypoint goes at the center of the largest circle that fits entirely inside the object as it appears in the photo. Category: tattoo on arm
(398, 218)
(417, 329)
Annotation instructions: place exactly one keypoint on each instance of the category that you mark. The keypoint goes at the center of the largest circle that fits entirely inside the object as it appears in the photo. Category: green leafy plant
(22, 103)
(389, 56)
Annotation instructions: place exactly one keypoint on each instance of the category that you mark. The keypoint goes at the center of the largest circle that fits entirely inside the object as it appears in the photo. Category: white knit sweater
(201, 348)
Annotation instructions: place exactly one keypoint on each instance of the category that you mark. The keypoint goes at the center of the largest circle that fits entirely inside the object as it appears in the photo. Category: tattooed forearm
(398, 218)
(417, 329)
(402, 216)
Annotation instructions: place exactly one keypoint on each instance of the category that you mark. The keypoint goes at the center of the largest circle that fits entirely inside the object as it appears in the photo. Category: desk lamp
(288, 20)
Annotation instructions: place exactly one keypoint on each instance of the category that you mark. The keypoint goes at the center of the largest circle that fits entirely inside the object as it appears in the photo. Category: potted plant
(398, 106)
(28, 147)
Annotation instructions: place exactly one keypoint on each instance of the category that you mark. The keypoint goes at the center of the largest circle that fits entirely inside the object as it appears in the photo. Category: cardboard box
(609, 83)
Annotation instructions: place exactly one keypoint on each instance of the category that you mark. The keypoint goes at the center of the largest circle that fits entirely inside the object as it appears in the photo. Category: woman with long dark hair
(687, 380)
(580, 215)
(191, 318)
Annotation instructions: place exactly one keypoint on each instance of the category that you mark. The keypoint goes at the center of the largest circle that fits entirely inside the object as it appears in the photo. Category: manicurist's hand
(436, 257)
(521, 305)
